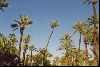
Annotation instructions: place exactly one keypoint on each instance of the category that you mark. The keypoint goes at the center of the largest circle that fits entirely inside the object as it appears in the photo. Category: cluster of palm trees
(88, 30)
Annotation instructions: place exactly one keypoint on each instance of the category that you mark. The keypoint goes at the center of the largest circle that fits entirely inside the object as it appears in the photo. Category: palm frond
(89, 2)
(14, 26)
(85, 1)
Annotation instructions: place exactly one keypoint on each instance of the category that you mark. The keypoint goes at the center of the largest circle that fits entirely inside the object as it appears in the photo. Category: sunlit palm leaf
(54, 24)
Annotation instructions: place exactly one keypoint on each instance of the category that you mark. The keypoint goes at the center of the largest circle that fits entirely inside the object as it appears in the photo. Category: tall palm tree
(53, 25)
(3, 3)
(96, 44)
(21, 24)
(78, 28)
(91, 23)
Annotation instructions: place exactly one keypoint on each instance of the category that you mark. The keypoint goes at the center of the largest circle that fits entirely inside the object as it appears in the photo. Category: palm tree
(31, 48)
(53, 25)
(12, 39)
(66, 44)
(96, 44)
(88, 39)
(21, 24)
(27, 59)
(7, 52)
(85, 43)
(90, 21)
(12, 43)
(86, 50)
(86, 32)
(44, 55)
(78, 28)
(3, 40)
(56, 61)
(26, 40)
(3, 3)
(25, 48)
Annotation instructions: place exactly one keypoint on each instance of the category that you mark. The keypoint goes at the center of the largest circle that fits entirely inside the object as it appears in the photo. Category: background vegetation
(72, 56)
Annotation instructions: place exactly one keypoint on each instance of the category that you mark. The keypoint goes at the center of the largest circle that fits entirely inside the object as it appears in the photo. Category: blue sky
(42, 12)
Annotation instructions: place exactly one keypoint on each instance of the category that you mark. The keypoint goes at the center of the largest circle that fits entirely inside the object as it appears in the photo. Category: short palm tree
(66, 44)
(25, 47)
(3, 3)
(12, 39)
(31, 48)
(3, 40)
(12, 42)
(56, 61)
(26, 40)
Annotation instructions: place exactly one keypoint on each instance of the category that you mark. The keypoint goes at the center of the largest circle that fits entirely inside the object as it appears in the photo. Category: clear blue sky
(67, 12)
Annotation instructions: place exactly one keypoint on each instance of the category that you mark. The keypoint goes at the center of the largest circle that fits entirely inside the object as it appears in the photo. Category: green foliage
(7, 51)
(72, 56)
(54, 24)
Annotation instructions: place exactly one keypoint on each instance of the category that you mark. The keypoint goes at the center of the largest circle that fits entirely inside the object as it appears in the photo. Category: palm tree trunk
(86, 53)
(24, 58)
(79, 42)
(31, 58)
(21, 32)
(49, 39)
(20, 40)
(47, 46)
(43, 61)
(95, 32)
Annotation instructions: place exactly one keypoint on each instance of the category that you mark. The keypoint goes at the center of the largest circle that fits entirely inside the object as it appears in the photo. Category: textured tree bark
(49, 39)
(79, 43)
(86, 54)
(95, 32)
(21, 32)
(31, 58)
(23, 58)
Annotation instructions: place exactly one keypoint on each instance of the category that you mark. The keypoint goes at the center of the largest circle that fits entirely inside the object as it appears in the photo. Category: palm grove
(72, 56)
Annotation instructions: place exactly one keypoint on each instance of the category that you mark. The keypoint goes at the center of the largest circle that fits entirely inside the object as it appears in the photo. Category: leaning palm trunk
(49, 39)
(47, 47)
